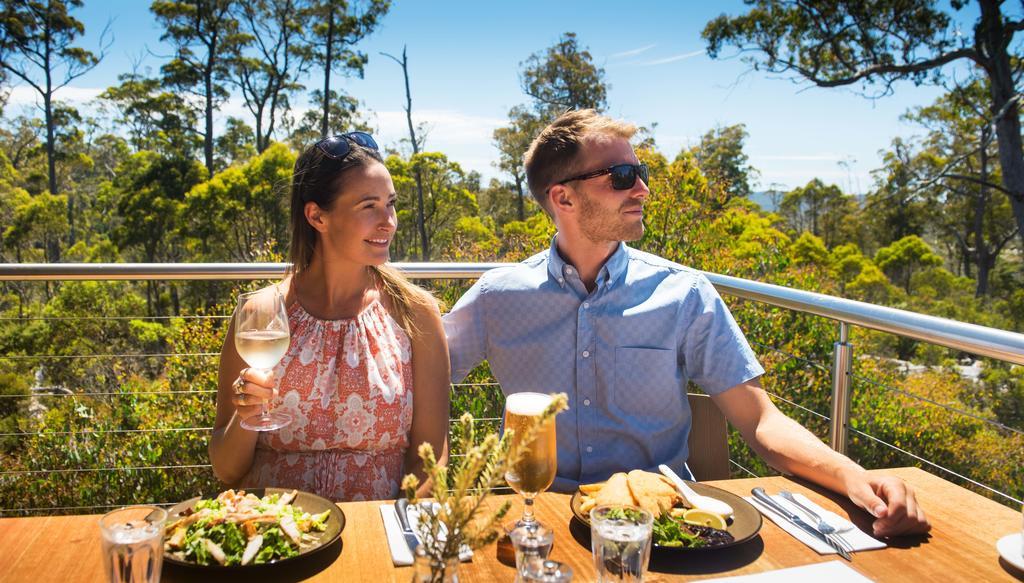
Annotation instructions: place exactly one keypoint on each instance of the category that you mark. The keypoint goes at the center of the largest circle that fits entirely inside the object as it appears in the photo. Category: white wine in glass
(261, 339)
(535, 471)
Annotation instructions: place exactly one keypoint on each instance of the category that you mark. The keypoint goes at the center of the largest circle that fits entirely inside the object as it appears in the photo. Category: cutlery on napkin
(401, 553)
(859, 540)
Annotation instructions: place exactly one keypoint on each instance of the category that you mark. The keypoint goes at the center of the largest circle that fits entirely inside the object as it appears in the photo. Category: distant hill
(764, 199)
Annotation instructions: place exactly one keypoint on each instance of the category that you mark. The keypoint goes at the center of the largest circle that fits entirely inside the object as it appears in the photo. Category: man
(622, 332)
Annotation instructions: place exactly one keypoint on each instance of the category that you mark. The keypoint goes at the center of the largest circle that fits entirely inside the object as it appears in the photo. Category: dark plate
(745, 524)
(304, 501)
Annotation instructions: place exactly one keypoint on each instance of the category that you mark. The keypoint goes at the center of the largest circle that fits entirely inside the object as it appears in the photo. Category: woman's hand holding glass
(252, 389)
(261, 339)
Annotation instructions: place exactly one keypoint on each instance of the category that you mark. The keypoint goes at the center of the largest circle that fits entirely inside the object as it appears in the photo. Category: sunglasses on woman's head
(623, 175)
(337, 147)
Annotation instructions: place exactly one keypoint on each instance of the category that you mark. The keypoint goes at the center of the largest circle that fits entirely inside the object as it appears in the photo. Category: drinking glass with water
(133, 544)
(620, 538)
(531, 541)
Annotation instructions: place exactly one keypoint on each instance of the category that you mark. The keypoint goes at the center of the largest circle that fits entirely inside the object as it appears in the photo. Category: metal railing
(977, 340)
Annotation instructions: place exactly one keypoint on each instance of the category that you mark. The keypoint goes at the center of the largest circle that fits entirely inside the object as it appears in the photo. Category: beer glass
(535, 471)
(261, 339)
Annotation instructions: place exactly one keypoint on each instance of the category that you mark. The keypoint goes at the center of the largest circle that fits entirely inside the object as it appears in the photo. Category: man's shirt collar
(612, 270)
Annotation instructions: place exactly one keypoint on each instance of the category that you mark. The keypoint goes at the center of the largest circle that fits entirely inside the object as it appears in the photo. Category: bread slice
(652, 492)
(615, 492)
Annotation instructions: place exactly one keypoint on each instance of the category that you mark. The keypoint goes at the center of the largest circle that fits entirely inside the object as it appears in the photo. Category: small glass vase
(429, 569)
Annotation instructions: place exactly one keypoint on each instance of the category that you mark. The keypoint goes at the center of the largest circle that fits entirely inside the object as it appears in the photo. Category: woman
(366, 373)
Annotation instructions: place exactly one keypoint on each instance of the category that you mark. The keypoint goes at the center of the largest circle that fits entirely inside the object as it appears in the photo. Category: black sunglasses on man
(623, 175)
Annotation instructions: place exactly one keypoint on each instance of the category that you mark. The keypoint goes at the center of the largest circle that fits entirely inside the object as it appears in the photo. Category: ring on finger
(238, 385)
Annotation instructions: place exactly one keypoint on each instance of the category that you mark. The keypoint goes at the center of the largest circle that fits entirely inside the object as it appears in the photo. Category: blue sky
(464, 62)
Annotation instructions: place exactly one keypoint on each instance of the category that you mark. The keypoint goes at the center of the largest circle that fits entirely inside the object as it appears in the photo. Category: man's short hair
(554, 154)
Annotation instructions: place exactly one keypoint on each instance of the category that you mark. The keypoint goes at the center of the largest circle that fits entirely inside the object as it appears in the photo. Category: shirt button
(568, 270)
(586, 354)
(561, 280)
(586, 402)
(586, 305)
(589, 449)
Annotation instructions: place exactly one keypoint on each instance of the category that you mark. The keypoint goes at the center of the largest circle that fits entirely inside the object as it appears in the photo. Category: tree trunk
(519, 201)
(992, 36)
(259, 130)
(325, 122)
(420, 211)
(983, 259)
(208, 138)
(175, 300)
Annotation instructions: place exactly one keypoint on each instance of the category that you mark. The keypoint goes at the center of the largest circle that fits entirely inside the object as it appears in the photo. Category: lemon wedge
(702, 517)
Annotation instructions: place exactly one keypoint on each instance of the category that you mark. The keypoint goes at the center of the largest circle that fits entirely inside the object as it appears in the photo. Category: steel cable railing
(978, 340)
(932, 464)
(126, 355)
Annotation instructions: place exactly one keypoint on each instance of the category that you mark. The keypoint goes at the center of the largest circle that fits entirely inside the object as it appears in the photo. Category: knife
(795, 519)
(402, 510)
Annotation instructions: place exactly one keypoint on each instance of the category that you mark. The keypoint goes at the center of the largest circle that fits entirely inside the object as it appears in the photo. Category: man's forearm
(790, 448)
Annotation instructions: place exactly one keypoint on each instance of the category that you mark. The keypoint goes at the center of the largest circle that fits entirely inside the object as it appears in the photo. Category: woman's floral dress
(348, 385)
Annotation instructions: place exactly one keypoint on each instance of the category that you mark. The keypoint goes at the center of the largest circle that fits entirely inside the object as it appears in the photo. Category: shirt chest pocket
(646, 383)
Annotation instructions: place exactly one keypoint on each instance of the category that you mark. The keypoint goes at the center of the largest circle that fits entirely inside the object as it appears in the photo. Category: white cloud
(671, 59)
(444, 127)
(800, 157)
(631, 52)
(464, 138)
(25, 95)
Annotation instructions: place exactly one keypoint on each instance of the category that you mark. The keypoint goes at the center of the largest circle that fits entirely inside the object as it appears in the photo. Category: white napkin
(401, 554)
(831, 571)
(853, 535)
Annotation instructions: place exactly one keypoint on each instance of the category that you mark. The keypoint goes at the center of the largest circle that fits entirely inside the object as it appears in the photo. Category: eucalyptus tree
(512, 142)
(559, 78)
(416, 141)
(276, 55)
(875, 43)
(721, 157)
(893, 209)
(959, 166)
(153, 116)
(37, 48)
(563, 77)
(821, 210)
(204, 34)
(337, 25)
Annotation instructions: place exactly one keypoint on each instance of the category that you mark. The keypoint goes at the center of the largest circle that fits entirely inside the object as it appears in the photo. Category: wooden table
(961, 545)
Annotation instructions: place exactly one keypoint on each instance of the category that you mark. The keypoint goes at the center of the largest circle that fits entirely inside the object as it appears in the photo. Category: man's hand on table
(891, 501)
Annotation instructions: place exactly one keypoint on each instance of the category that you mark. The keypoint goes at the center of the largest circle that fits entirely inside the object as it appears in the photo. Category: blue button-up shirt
(623, 353)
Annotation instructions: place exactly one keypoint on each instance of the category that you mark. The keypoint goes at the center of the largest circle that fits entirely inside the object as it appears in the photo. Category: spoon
(703, 502)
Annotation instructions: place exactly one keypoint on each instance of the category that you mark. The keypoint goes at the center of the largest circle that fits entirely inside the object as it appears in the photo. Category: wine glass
(261, 339)
(535, 471)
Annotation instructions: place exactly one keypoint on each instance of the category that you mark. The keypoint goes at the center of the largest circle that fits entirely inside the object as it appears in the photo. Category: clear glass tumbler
(620, 538)
(133, 544)
(530, 541)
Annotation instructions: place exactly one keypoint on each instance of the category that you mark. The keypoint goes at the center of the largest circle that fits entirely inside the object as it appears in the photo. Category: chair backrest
(709, 440)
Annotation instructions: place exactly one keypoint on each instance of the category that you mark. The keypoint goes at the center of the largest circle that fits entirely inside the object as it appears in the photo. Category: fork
(826, 529)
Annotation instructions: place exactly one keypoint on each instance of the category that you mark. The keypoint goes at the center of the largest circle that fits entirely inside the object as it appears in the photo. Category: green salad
(674, 532)
(241, 529)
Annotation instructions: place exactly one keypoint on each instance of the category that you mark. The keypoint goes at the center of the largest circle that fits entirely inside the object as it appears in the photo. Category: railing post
(842, 362)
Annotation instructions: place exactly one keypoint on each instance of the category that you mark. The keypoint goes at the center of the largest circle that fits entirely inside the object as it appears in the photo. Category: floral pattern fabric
(348, 386)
